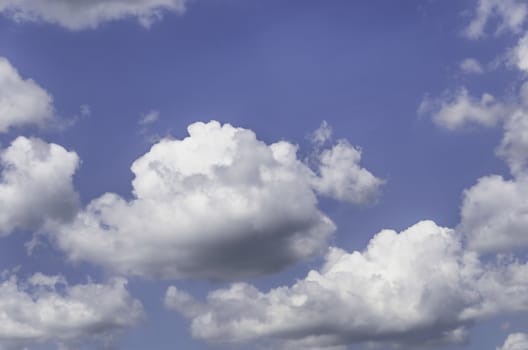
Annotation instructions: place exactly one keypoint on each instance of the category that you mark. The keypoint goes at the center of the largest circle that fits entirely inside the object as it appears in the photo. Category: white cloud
(219, 204)
(494, 214)
(341, 176)
(519, 54)
(417, 287)
(89, 14)
(458, 110)
(515, 341)
(511, 15)
(494, 211)
(514, 145)
(46, 309)
(22, 101)
(149, 118)
(35, 184)
(471, 66)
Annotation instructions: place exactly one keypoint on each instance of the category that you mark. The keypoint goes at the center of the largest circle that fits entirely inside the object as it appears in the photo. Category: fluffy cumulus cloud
(83, 14)
(219, 204)
(494, 214)
(494, 211)
(341, 176)
(509, 14)
(453, 111)
(46, 309)
(515, 341)
(35, 184)
(22, 101)
(416, 287)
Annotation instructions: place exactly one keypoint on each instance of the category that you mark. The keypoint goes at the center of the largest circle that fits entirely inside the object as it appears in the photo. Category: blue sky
(216, 235)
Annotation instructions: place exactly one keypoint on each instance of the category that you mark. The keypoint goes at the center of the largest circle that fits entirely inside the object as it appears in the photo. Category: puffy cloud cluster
(510, 14)
(494, 213)
(46, 309)
(86, 14)
(36, 184)
(515, 341)
(416, 287)
(453, 111)
(22, 101)
(219, 204)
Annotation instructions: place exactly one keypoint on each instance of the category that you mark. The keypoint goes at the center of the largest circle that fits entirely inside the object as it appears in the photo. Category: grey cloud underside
(415, 288)
(219, 204)
(89, 14)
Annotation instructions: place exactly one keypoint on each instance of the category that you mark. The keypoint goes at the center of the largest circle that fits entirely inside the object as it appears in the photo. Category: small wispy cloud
(149, 117)
(471, 66)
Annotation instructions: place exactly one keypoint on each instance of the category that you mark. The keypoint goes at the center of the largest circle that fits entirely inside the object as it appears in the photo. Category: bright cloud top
(219, 204)
(89, 14)
(416, 287)
(22, 101)
(36, 184)
(47, 309)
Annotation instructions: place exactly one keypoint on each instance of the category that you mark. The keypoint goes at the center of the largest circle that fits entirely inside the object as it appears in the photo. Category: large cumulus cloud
(36, 184)
(46, 309)
(219, 204)
(416, 287)
(84, 14)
